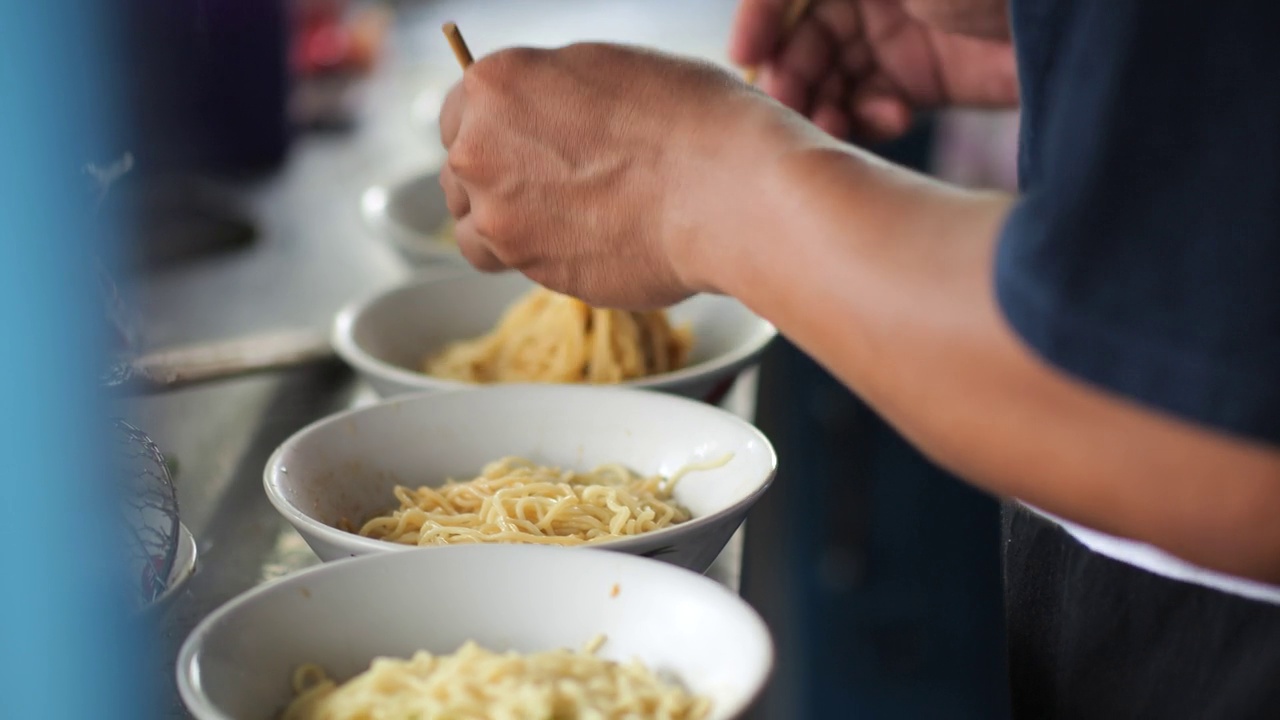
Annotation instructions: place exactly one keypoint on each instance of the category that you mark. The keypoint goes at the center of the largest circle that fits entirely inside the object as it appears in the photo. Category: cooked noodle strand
(477, 684)
(516, 500)
(553, 338)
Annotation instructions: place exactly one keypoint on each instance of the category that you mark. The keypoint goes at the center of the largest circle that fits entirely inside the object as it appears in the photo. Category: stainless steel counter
(312, 255)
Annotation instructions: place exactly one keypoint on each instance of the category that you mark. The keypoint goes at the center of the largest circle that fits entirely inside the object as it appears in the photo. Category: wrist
(727, 205)
(818, 209)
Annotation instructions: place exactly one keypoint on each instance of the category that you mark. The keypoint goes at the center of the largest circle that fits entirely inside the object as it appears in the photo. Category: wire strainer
(150, 508)
(146, 495)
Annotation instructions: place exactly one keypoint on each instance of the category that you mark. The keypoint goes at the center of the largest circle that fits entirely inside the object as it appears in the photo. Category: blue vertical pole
(64, 649)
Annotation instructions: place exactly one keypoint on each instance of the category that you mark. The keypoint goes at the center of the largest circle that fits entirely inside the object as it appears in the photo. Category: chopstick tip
(459, 46)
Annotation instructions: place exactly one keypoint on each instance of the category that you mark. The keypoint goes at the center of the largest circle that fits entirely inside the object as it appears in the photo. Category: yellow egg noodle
(516, 500)
(478, 684)
(549, 337)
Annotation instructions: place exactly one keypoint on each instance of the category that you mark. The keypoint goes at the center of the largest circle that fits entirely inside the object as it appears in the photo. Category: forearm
(886, 278)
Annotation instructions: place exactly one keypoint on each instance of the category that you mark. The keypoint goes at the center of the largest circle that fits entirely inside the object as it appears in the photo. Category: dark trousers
(1091, 637)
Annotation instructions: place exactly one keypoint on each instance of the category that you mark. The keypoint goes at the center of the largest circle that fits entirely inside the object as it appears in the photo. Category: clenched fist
(609, 173)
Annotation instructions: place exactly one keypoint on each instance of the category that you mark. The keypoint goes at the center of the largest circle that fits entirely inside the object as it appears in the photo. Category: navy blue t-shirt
(1144, 256)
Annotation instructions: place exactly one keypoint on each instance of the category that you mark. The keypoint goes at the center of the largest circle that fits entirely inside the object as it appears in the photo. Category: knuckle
(501, 70)
(519, 255)
(583, 50)
(464, 158)
(493, 224)
(479, 256)
(456, 201)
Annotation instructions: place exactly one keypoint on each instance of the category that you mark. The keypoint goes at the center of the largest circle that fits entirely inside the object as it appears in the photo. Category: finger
(857, 60)
(832, 90)
(757, 26)
(833, 120)
(808, 52)
(878, 108)
(455, 195)
(451, 114)
(881, 117)
(475, 247)
(841, 20)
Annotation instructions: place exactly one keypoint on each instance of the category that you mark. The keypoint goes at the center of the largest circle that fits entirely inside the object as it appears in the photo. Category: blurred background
(878, 572)
(249, 130)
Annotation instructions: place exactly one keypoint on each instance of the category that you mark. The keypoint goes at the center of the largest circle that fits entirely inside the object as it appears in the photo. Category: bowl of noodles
(476, 632)
(567, 466)
(411, 215)
(475, 329)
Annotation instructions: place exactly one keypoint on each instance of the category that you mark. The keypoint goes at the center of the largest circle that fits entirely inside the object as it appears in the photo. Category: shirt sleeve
(1144, 255)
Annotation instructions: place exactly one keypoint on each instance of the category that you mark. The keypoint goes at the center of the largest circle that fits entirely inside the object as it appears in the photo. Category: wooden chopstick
(795, 13)
(460, 49)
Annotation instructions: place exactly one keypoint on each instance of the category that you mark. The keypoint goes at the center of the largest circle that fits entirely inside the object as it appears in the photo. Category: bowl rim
(184, 566)
(186, 666)
(373, 203)
(372, 546)
(347, 348)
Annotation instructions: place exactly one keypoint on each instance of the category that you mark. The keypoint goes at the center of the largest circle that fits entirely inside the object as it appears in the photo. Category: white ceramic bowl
(386, 337)
(411, 215)
(346, 466)
(237, 663)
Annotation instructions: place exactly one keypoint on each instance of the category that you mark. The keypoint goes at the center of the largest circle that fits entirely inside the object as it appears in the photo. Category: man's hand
(862, 68)
(603, 171)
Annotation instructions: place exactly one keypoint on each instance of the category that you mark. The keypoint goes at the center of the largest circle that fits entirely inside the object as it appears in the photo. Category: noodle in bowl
(386, 337)
(239, 663)
(343, 472)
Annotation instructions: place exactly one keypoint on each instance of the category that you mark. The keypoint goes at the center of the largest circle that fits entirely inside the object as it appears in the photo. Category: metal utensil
(178, 367)
(149, 505)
